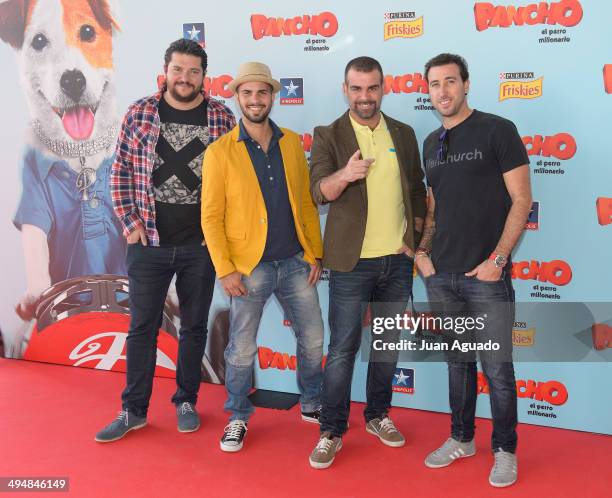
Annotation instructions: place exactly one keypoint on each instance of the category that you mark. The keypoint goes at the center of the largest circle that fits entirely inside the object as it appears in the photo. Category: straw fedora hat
(254, 71)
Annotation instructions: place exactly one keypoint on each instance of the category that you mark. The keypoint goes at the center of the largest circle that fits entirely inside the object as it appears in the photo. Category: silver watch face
(500, 261)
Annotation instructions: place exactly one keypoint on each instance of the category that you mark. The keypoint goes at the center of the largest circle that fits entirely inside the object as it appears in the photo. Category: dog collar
(86, 148)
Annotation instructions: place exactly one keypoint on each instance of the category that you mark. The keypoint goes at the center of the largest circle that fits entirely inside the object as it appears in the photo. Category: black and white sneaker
(233, 435)
(312, 417)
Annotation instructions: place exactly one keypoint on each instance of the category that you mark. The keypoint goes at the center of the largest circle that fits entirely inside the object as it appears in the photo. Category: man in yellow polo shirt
(367, 167)
(386, 219)
(263, 234)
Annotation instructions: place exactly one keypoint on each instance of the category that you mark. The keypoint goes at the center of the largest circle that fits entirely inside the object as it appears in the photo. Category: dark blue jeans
(387, 283)
(150, 271)
(454, 294)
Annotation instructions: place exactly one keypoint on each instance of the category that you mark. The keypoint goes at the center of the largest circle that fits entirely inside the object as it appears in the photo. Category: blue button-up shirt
(281, 241)
(84, 236)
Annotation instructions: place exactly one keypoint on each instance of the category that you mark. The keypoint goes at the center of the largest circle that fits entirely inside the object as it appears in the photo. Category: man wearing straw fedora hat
(264, 237)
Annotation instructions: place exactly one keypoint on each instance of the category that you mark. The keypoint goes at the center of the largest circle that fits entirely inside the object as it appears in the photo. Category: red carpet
(50, 415)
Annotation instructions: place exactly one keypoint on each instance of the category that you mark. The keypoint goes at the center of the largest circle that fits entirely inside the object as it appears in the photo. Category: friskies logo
(402, 25)
(323, 24)
(565, 13)
(514, 88)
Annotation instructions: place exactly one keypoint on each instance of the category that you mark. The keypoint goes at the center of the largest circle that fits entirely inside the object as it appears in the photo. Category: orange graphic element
(561, 146)
(521, 89)
(95, 42)
(602, 336)
(404, 29)
(552, 391)
(306, 140)
(557, 272)
(272, 359)
(324, 24)
(604, 210)
(280, 361)
(607, 73)
(217, 87)
(523, 337)
(566, 13)
(407, 83)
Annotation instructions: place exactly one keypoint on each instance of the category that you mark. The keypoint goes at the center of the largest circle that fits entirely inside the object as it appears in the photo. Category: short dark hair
(443, 60)
(363, 64)
(189, 47)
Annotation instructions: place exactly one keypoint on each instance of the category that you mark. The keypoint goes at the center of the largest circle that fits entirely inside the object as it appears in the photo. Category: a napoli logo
(403, 380)
(292, 91)
(195, 32)
(533, 222)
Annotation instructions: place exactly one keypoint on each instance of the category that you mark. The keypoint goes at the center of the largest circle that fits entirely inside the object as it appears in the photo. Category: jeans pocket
(501, 279)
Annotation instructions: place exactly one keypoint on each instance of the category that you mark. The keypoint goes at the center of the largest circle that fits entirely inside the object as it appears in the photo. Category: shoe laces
(504, 462)
(234, 429)
(186, 408)
(324, 445)
(388, 425)
(123, 417)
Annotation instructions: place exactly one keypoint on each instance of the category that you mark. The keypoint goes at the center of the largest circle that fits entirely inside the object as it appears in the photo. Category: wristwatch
(499, 260)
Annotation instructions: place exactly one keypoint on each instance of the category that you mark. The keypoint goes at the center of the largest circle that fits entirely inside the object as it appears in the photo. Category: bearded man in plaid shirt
(156, 188)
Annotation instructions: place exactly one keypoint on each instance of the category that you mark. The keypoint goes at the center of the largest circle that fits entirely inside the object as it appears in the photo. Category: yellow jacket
(234, 214)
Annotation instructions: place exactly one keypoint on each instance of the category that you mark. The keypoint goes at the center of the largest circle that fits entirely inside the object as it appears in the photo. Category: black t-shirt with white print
(471, 199)
(177, 173)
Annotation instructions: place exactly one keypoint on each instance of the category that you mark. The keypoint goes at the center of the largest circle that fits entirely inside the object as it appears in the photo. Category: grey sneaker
(386, 431)
(325, 451)
(120, 427)
(450, 451)
(505, 470)
(187, 418)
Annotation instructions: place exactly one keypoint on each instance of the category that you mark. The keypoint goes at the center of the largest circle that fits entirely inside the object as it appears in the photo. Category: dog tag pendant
(85, 179)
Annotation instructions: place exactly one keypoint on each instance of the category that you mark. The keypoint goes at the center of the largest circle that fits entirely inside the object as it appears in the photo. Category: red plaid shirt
(130, 183)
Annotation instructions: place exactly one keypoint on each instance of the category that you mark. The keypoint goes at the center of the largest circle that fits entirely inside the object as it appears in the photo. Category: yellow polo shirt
(386, 223)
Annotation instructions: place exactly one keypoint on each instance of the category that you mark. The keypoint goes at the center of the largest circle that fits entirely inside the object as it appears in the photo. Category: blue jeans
(468, 295)
(387, 283)
(150, 271)
(287, 279)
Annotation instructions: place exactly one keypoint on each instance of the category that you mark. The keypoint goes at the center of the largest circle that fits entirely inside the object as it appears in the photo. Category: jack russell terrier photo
(64, 50)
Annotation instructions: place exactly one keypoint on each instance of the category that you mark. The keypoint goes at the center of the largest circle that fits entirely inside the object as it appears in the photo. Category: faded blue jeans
(287, 279)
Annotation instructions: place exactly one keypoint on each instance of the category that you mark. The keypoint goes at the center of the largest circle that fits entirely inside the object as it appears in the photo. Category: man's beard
(185, 98)
(364, 114)
(255, 119)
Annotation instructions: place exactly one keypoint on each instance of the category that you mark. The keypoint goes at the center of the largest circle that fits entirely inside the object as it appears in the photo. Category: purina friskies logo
(522, 85)
(402, 25)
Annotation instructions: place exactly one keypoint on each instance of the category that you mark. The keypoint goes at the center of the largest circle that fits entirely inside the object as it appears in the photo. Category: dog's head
(66, 63)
